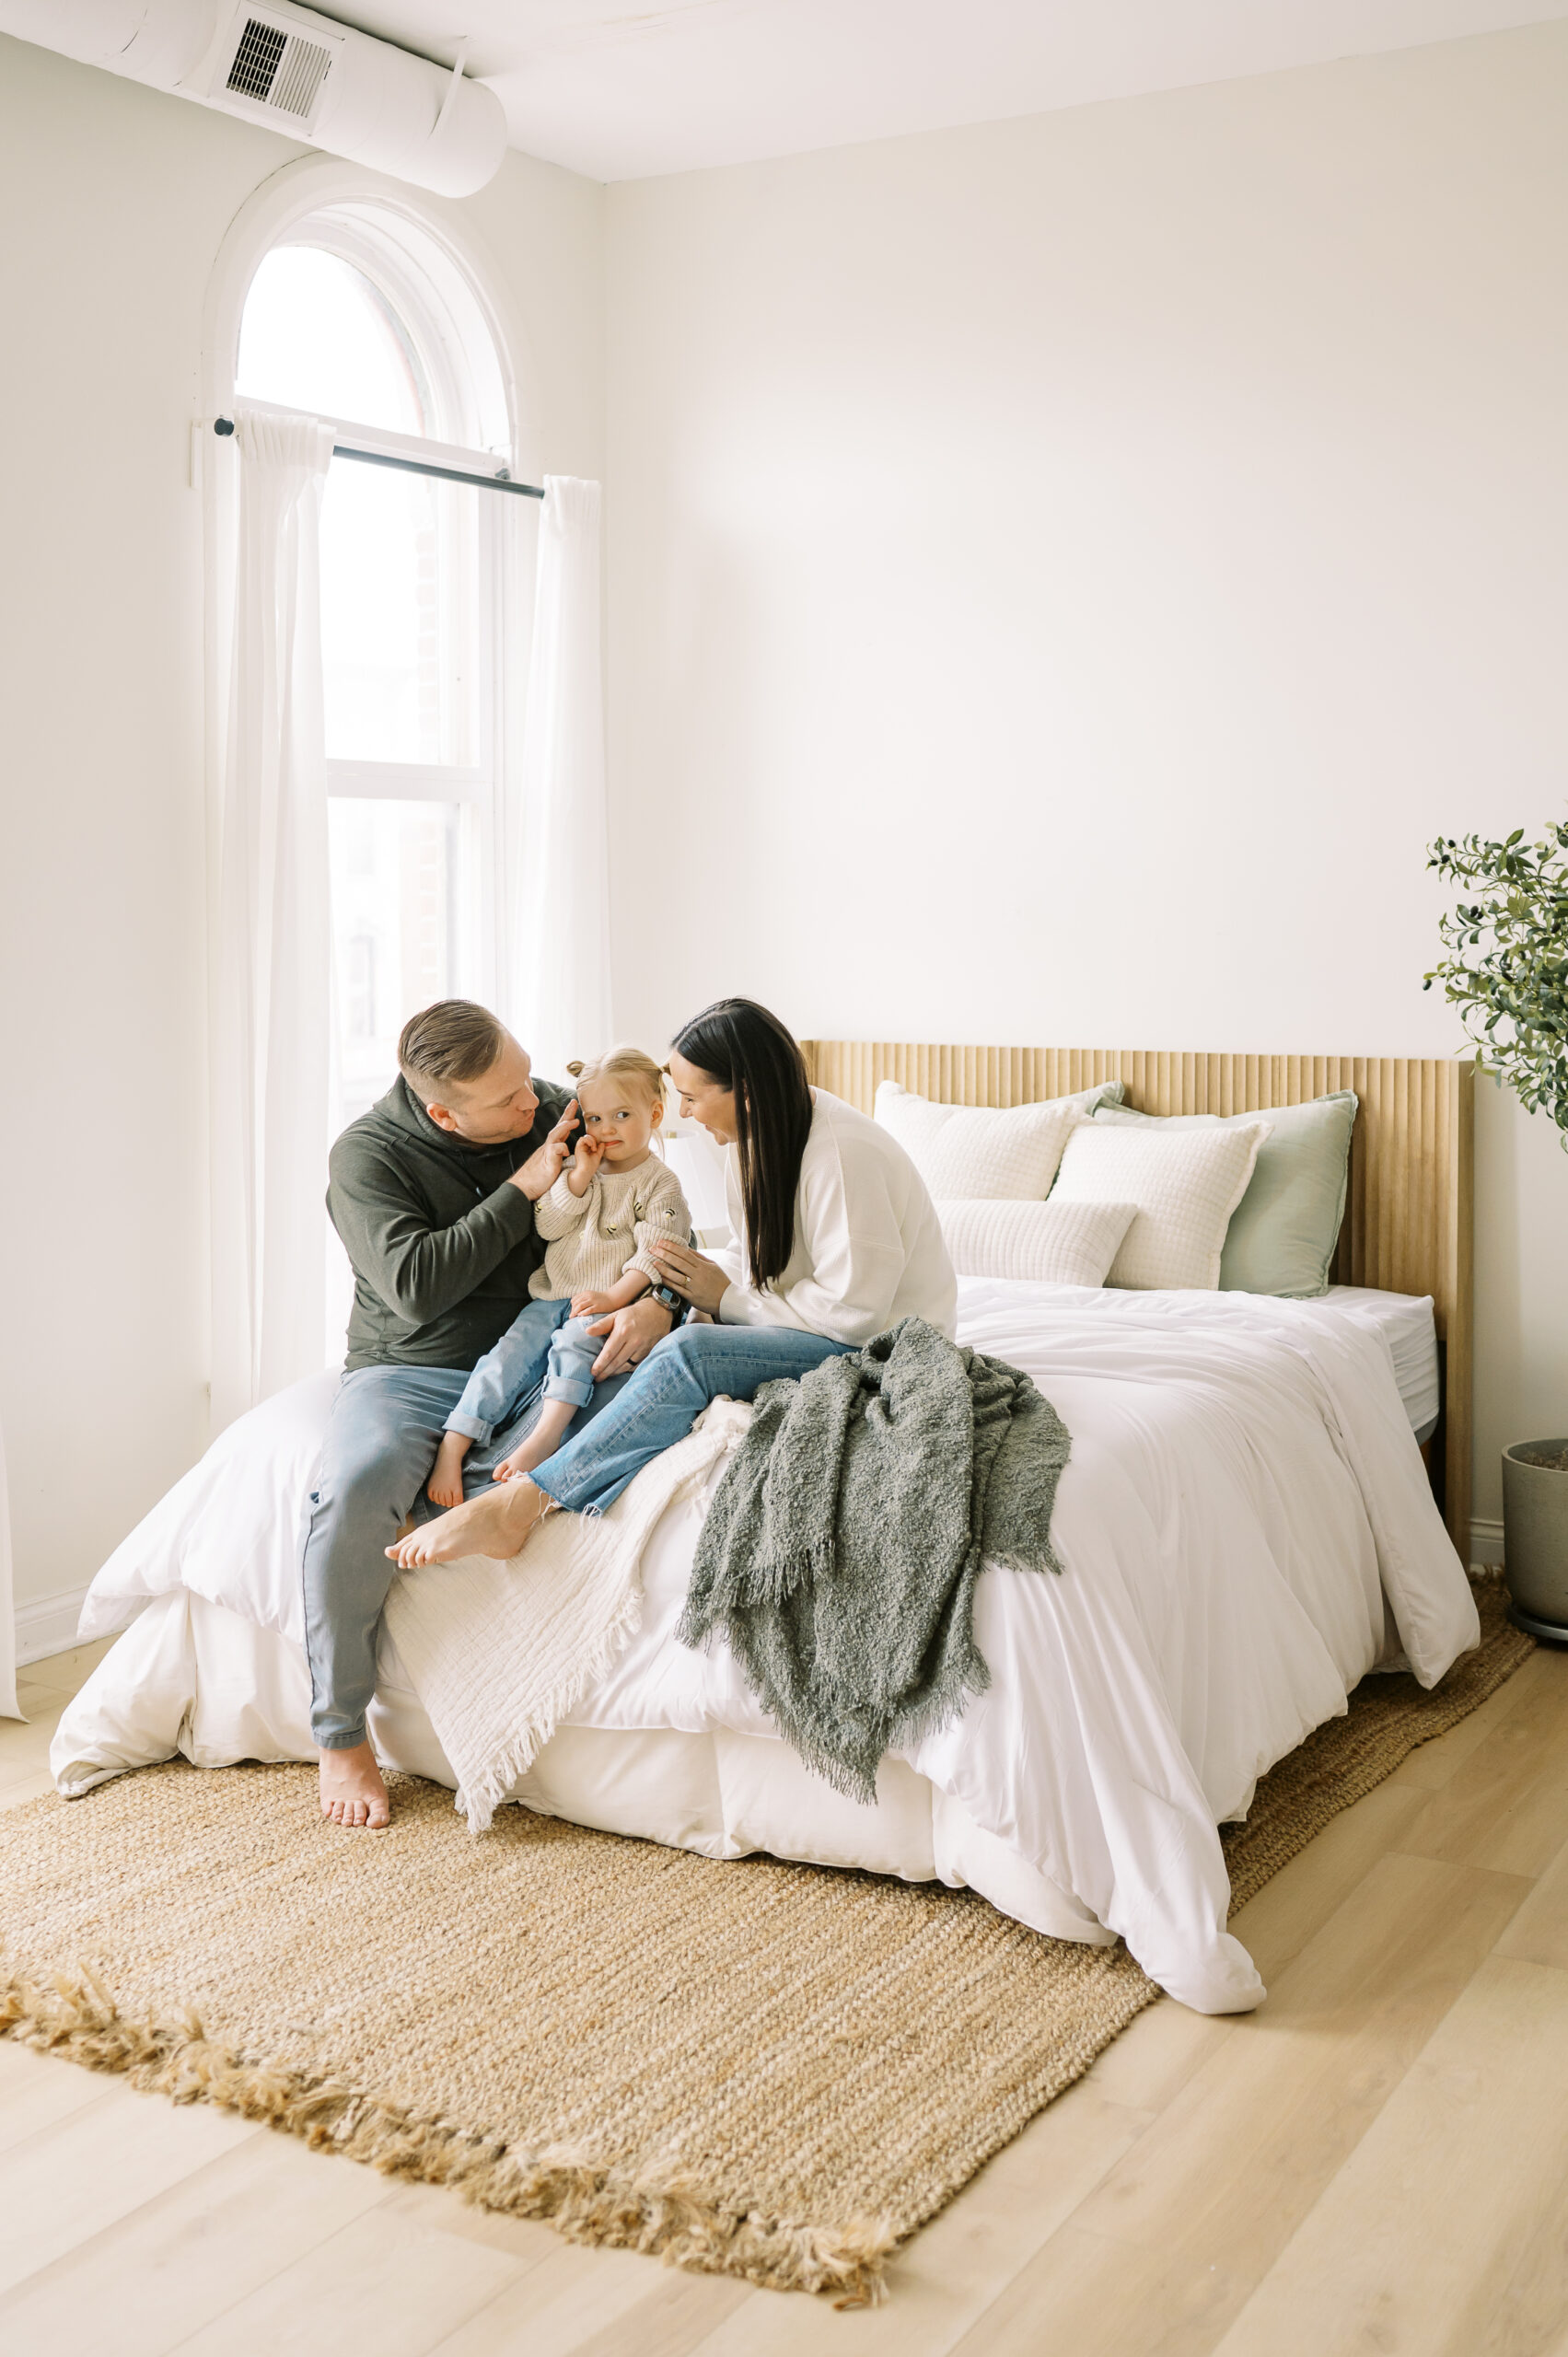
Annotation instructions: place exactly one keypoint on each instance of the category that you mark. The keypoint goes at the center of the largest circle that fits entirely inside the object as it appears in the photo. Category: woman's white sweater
(868, 1247)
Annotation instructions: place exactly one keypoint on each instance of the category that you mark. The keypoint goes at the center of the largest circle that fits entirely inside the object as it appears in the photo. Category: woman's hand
(702, 1281)
(631, 1335)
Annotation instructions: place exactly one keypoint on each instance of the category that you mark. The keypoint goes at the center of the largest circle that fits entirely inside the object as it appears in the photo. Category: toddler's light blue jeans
(544, 1347)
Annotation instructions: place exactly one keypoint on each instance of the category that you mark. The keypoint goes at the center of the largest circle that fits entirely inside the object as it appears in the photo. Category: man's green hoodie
(442, 1246)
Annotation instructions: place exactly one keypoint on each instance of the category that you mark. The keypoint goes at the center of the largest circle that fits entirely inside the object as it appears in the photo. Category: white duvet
(1245, 1528)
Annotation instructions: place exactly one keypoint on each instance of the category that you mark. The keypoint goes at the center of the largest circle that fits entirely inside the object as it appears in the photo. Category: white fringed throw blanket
(500, 1653)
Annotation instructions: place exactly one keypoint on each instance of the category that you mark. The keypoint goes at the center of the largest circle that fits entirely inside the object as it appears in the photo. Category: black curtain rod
(502, 481)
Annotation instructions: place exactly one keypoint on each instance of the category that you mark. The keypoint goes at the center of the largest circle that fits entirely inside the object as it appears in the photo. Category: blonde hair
(626, 1063)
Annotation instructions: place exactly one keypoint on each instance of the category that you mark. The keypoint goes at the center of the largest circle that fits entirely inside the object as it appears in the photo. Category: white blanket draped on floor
(1245, 1530)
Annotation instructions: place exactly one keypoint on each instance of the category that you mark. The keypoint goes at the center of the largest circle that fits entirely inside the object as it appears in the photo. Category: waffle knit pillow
(975, 1151)
(1186, 1183)
(1053, 1243)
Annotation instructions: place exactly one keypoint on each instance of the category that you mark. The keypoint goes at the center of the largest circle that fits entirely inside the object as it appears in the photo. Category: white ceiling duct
(293, 70)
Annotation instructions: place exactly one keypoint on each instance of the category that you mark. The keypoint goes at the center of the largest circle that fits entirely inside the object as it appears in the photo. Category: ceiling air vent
(286, 66)
(277, 68)
(256, 59)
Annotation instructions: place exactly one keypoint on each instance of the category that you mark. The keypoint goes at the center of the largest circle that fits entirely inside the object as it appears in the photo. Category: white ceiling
(621, 92)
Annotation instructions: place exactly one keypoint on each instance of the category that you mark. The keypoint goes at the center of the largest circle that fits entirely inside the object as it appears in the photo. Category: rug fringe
(661, 2208)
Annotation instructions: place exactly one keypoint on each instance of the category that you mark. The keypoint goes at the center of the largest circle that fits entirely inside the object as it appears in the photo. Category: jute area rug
(763, 2070)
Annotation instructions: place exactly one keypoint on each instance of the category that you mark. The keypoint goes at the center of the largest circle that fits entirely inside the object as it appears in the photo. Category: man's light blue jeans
(663, 1400)
(382, 1440)
(543, 1345)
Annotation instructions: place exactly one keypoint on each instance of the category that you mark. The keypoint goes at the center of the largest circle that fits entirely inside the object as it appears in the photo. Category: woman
(836, 1241)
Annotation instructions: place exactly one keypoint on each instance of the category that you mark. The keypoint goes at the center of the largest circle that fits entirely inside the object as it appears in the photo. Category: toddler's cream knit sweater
(594, 1239)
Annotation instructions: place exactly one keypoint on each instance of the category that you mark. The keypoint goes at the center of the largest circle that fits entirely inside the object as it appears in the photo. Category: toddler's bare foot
(446, 1483)
(496, 1523)
(352, 1789)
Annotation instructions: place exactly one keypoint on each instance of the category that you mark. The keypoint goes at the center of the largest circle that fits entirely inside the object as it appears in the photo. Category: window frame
(401, 233)
(473, 787)
(371, 234)
(417, 252)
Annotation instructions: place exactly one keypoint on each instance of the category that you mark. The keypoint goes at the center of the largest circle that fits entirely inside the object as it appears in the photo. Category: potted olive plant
(1507, 971)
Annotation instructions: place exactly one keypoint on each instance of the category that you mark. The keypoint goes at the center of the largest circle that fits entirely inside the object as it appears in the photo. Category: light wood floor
(1376, 2162)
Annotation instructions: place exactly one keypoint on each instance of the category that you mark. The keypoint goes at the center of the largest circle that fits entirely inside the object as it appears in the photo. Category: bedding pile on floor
(840, 1556)
(770, 2071)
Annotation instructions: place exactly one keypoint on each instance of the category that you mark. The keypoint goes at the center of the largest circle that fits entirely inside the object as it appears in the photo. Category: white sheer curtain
(8, 1709)
(557, 997)
(271, 950)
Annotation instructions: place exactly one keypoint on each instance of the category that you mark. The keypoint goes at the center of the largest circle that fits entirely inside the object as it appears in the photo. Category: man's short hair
(454, 1039)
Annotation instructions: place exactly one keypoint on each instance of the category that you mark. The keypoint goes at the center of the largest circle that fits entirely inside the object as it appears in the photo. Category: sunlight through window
(316, 336)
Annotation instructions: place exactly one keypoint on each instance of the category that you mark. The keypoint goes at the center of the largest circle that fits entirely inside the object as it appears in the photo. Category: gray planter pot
(1535, 1538)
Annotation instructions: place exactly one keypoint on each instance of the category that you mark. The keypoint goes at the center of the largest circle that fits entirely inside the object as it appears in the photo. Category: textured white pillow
(1053, 1243)
(1186, 1184)
(972, 1151)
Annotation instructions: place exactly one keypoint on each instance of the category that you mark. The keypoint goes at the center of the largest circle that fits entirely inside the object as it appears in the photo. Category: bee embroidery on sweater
(639, 1212)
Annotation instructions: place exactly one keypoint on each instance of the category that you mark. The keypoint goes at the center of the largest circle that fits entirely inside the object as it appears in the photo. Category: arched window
(358, 316)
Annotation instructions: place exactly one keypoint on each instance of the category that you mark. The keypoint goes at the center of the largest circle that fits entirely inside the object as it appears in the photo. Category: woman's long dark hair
(745, 1049)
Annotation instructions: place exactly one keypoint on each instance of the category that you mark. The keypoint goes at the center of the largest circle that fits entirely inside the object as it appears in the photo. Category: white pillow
(1186, 1184)
(1053, 1243)
(230, 1530)
(973, 1151)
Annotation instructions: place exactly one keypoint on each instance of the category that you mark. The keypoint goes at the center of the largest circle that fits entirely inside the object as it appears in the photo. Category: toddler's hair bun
(575, 1071)
(625, 1063)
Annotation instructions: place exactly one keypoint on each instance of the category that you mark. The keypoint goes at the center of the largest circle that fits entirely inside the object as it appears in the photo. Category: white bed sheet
(1243, 1498)
(1406, 1323)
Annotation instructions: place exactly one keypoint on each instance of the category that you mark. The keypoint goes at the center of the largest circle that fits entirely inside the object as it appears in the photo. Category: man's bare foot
(446, 1483)
(351, 1790)
(496, 1523)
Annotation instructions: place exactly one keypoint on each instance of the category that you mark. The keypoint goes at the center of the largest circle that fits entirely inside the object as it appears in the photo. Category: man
(433, 1193)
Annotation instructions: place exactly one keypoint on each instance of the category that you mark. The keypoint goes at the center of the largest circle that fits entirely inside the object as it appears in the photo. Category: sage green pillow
(1282, 1232)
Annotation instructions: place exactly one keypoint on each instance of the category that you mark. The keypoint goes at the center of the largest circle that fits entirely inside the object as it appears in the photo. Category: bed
(1247, 1527)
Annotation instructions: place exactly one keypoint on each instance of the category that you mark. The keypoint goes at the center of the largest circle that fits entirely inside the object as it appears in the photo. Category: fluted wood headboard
(1409, 1208)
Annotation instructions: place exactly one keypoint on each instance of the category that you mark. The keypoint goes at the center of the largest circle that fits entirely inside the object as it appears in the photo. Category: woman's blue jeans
(664, 1399)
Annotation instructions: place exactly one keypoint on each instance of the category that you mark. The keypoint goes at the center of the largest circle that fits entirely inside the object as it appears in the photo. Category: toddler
(611, 1199)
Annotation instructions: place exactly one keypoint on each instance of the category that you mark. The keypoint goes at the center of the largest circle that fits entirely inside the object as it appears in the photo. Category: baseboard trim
(49, 1626)
(1486, 1544)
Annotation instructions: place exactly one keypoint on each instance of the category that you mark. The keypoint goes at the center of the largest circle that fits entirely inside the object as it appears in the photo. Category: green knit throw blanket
(839, 1555)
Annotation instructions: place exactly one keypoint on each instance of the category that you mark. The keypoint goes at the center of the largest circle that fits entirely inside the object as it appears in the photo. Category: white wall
(114, 200)
(1063, 572)
(1062, 575)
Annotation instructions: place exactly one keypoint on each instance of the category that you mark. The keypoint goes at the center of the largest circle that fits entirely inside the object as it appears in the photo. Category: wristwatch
(676, 1303)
